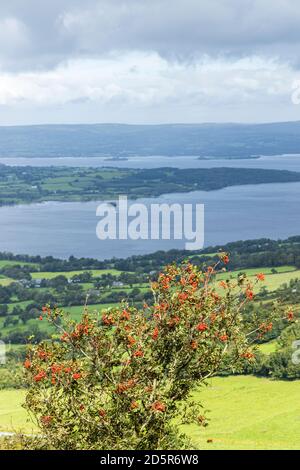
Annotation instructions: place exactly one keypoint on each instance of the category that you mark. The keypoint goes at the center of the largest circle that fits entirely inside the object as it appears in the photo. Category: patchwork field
(273, 280)
(5, 281)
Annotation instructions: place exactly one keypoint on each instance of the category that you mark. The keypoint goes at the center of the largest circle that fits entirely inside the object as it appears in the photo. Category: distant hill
(204, 140)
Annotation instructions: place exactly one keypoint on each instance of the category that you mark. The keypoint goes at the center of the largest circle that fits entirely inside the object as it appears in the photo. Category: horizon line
(203, 123)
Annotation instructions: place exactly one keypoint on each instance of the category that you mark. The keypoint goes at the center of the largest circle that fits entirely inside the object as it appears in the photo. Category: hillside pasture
(245, 412)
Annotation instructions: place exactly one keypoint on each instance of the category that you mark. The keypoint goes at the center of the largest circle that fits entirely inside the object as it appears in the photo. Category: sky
(149, 61)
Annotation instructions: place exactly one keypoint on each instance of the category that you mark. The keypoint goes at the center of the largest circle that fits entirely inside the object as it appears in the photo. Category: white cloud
(148, 79)
(150, 60)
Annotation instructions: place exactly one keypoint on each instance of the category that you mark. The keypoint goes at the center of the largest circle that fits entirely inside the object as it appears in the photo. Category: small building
(118, 284)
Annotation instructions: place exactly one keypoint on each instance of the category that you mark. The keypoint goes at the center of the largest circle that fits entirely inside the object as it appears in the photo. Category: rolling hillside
(220, 140)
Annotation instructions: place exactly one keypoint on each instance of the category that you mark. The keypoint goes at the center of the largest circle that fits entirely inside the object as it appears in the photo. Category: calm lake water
(276, 162)
(235, 213)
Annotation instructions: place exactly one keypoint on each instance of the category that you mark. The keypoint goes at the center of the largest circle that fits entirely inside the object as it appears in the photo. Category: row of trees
(256, 253)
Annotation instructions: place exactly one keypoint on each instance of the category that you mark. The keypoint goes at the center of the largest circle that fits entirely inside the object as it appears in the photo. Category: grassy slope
(272, 281)
(6, 281)
(12, 416)
(268, 348)
(249, 413)
(246, 413)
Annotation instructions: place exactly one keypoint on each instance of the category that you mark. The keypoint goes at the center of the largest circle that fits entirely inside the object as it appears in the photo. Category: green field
(4, 262)
(74, 311)
(77, 310)
(13, 417)
(272, 281)
(252, 271)
(69, 274)
(249, 413)
(21, 304)
(268, 348)
(245, 412)
(5, 281)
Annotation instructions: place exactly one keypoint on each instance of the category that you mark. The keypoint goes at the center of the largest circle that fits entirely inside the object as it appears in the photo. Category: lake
(276, 162)
(235, 213)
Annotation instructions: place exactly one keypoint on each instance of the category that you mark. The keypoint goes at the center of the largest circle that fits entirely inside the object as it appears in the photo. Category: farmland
(33, 184)
(26, 284)
(273, 281)
(245, 411)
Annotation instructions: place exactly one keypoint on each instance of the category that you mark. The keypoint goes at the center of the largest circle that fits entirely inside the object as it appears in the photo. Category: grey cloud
(148, 60)
(182, 29)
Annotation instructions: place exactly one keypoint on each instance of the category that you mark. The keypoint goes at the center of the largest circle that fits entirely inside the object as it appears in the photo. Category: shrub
(11, 376)
(280, 364)
(20, 335)
(123, 379)
(21, 442)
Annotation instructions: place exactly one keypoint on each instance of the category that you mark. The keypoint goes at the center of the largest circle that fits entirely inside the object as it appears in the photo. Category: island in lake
(37, 184)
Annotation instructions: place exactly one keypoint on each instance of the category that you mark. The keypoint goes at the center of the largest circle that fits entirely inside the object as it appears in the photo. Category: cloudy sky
(149, 61)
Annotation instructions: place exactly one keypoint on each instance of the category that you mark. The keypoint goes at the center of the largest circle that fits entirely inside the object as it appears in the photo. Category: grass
(268, 348)
(245, 413)
(253, 271)
(204, 255)
(272, 281)
(249, 413)
(21, 304)
(69, 274)
(76, 311)
(4, 282)
(13, 417)
(4, 262)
